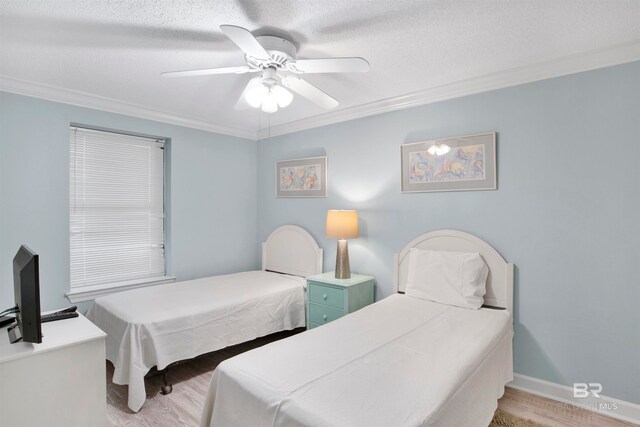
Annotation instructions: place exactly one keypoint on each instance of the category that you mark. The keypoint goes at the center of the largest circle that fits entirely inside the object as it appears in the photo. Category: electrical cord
(9, 311)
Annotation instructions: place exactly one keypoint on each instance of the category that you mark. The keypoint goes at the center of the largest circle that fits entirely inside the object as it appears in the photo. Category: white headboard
(500, 280)
(292, 250)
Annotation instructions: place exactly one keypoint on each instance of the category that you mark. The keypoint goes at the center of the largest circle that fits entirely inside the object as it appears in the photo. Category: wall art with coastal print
(454, 164)
(302, 177)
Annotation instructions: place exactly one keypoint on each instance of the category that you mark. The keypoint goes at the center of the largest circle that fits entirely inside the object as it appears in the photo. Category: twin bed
(400, 361)
(159, 325)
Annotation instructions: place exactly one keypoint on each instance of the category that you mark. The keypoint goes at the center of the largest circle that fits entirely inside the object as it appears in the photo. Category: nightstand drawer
(326, 295)
(320, 315)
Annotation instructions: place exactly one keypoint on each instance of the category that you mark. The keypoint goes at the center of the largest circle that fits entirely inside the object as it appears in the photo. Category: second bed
(403, 361)
(160, 325)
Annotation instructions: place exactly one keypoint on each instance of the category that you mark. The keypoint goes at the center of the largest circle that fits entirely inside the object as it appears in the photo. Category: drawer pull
(324, 317)
(327, 296)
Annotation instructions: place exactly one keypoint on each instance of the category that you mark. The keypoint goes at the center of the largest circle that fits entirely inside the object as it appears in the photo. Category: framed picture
(302, 177)
(464, 163)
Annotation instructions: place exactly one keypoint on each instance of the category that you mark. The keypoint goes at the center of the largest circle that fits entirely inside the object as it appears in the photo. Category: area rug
(504, 419)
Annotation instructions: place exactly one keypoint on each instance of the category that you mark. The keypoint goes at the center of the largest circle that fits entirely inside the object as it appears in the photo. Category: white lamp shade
(342, 224)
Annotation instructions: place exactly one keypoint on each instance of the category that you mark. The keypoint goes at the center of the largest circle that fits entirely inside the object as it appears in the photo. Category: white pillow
(452, 278)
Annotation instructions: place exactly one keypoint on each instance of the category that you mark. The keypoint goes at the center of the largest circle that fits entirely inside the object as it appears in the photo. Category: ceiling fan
(275, 59)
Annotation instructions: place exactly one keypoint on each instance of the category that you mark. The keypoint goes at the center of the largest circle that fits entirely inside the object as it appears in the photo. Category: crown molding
(601, 58)
(88, 100)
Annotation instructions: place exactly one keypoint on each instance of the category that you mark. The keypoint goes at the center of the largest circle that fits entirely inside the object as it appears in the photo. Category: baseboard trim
(614, 408)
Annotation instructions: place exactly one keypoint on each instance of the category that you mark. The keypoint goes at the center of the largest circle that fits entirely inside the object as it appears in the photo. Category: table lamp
(342, 225)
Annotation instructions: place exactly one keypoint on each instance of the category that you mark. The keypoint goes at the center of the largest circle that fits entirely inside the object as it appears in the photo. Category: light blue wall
(567, 211)
(212, 189)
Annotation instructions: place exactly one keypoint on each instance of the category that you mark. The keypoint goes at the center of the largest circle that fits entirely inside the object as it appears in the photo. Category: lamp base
(343, 270)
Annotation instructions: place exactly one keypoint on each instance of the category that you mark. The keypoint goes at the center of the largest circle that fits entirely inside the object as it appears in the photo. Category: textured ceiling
(117, 49)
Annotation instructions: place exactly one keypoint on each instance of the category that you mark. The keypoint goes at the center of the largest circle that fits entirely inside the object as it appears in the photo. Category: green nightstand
(329, 298)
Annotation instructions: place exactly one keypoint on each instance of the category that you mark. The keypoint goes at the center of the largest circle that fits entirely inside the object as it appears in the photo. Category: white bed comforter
(159, 325)
(399, 362)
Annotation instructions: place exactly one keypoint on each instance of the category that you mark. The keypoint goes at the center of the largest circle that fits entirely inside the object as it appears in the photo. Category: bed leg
(166, 387)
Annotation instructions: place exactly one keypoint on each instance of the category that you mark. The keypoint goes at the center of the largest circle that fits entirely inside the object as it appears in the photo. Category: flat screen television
(26, 289)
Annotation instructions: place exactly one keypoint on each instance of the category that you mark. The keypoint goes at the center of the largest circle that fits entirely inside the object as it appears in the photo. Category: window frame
(90, 292)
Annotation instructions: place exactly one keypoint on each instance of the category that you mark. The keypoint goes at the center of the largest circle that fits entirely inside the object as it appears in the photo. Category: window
(116, 211)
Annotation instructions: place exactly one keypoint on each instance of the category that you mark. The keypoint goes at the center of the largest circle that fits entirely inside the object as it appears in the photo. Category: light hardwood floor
(191, 381)
(551, 413)
(183, 406)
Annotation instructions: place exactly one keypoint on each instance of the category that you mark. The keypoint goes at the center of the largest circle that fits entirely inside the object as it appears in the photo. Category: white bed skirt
(159, 325)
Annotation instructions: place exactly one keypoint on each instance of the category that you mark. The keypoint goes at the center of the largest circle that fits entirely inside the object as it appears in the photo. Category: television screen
(26, 288)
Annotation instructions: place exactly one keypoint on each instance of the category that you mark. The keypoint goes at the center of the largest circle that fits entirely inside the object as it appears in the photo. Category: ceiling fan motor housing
(281, 51)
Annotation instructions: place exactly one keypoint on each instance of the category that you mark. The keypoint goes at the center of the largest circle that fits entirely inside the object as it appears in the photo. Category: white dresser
(61, 382)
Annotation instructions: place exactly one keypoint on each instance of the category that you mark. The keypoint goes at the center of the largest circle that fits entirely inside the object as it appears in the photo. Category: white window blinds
(116, 208)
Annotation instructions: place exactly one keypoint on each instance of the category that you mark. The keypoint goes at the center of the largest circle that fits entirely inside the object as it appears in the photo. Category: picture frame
(305, 177)
(468, 164)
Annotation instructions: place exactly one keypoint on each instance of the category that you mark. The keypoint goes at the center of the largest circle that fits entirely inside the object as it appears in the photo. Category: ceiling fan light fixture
(256, 95)
(270, 104)
(283, 96)
(268, 97)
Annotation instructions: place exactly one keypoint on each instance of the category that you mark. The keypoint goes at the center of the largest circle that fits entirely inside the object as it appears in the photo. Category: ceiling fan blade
(329, 65)
(245, 41)
(242, 103)
(309, 91)
(209, 71)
